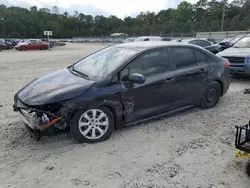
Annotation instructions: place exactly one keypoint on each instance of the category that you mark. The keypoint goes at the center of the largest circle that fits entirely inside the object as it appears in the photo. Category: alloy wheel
(93, 124)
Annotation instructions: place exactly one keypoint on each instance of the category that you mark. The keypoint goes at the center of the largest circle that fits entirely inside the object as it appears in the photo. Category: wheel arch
(221, 85)
(115, 108)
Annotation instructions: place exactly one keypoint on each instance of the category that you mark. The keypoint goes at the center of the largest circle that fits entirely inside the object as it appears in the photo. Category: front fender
(69, 108)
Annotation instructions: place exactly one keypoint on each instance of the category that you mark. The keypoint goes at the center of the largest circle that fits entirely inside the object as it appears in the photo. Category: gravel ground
(189, 150)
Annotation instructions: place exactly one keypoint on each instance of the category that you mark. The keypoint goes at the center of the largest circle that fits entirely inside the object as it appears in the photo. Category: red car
(32, 45)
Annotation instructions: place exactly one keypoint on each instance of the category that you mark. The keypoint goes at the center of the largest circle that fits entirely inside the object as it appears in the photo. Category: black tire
(75, 130)
(211, 96)
(248, 168)
(42, 48)
(23, 48)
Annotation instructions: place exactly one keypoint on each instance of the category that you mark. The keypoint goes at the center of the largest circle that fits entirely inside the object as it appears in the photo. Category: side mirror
(137, 78)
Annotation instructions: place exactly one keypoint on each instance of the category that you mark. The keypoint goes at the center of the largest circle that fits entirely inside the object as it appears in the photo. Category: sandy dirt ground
(194, 149)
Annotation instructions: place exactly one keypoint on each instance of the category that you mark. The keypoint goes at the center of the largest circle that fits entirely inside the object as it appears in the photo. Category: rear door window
(200, 57)
(183, 57)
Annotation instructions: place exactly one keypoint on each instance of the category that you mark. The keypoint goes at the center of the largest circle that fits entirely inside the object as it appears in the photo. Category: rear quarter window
(183, 57)
(201, 57)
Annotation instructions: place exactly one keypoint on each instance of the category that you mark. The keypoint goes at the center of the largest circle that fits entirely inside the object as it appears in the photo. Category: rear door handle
(169, 80)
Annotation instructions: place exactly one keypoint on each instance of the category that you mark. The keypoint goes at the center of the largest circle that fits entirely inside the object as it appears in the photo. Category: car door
(38, 45)
(145, 100)
(31, 45)
(188, 76)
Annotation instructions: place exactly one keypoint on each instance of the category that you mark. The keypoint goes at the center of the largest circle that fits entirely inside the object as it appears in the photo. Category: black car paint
(54, 87)
(129, 102)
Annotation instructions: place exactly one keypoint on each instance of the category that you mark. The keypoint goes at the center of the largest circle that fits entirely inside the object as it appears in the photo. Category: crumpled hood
(54, 87)
(235, 52)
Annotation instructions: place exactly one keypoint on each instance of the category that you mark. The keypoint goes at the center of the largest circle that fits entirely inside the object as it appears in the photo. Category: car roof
(187, 40)
(151, 37)
(152, 44)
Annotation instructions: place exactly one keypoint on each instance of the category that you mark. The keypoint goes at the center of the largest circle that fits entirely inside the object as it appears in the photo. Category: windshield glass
(100, 64)
(129, 40)
(227, 40)
(234, 40)
(243, 43)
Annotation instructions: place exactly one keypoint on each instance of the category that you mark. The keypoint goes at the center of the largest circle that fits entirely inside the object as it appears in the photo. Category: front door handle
(169, 80)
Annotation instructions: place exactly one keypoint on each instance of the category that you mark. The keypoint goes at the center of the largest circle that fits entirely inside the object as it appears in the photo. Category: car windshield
(243, 43)
(129, 40)
(234, 40)
(102, 63)
(227, 40)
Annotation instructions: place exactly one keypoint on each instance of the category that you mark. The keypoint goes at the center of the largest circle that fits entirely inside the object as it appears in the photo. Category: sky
(120, 8)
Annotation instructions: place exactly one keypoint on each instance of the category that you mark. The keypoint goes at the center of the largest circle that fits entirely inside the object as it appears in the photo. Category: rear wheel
(42, 48)
(212, 95)
(23, 48)
(92, 125)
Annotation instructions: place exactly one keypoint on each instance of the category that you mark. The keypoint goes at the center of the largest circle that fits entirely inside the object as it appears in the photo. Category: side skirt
(169, 113)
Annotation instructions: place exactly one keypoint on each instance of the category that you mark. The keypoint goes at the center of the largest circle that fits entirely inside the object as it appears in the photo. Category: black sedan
(214, 48)
(5, 44)
(121, 85)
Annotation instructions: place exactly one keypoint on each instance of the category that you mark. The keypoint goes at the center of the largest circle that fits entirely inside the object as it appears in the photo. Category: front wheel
(23, 48)
(42, 48)
(92, 125)
(211, 96)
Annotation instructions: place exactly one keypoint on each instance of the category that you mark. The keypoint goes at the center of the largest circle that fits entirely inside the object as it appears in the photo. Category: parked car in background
(239, 56)
(5, 44)
(13, 42)
(165, 39)
(226, 43)
(213, 41)
(21, 41)
(58, 43)
(151, 38)
(51, 43)
(214, 48)
(229, 42)
(130, 39)
(32, 44)
(122, 85)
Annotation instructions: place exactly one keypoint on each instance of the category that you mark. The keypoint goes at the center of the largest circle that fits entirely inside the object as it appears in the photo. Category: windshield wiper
(79, 72)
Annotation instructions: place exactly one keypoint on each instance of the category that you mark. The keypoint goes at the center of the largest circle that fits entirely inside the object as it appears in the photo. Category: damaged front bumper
(38, 120)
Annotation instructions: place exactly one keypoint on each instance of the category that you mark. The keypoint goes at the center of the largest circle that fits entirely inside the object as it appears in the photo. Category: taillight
(227, 65)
